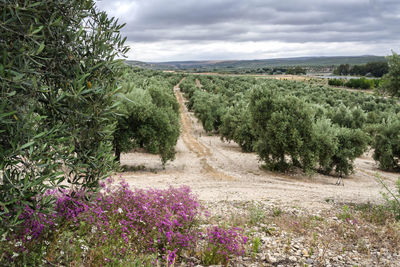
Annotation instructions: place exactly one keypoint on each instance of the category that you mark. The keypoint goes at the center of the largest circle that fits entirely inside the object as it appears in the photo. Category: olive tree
(236, 126)
(148, 116)
(209, 108)
(287, 128)
(386, 144)
(391, 81)
(283, 127)
(58, 70)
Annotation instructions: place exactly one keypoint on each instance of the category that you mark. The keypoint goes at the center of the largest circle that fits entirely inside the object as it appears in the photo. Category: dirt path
(217, 171)
(193, 144)
(198, 84)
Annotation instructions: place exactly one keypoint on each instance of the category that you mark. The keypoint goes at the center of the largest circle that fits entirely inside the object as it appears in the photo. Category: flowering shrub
(118, 223)
(222, 243)
(70, 203)
(155, 221)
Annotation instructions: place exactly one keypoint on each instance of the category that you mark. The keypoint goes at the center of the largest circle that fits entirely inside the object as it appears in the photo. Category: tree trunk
(117, 152)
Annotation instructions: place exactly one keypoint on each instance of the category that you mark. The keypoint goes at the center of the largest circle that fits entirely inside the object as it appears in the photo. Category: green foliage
(336, 82)
(375, 69)
(353, 118)
(255, 246)
(58, 75)
(386, 144)
(276, 212)
(392, 198)
(283, 126)
(256, 215)
(209, 109)
(325, 143)
(345, 215)
(340, 119)
(296, 71)
(317, 64)
(391, 81)
(352, 143)
(342, 69)
(149, 115)
(211, 256)
(361, 83)
(337, 147)
(236, 126)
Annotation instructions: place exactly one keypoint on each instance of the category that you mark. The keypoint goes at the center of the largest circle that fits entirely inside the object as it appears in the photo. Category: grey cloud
(259, 20)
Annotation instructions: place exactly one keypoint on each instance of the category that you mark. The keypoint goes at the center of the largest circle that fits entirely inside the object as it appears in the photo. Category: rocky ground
(292, 236)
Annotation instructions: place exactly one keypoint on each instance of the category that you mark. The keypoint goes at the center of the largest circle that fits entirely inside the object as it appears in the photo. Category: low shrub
(222, 243)
(361, 83)
(358, 83)
(392, 198)
(114, 226)
(336, 82)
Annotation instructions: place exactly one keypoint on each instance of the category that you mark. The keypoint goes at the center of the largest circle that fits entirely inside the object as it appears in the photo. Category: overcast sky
(169, 30)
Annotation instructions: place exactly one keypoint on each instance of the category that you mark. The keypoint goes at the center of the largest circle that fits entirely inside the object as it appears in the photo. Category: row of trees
(293, 124)
(389, 84)
(288, 129)
(361, 83)
(375, 69)
(391, 80)
(296, 71)
(148, 113)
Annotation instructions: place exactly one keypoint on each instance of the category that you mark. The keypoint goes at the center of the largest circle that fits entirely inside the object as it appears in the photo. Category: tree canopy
(391, 81)
(148, 114)
(58, 73)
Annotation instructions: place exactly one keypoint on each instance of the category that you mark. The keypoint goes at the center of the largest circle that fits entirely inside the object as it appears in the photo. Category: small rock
(320, 252)
(305, 253)
(272, 259)
(309, 261)
(265, 239)
(292, 258)
(263, 258)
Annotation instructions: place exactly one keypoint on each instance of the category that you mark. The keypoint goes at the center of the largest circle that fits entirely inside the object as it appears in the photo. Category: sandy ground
(217, 170)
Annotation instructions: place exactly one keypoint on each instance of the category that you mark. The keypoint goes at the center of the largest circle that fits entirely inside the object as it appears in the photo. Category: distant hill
(211, 65)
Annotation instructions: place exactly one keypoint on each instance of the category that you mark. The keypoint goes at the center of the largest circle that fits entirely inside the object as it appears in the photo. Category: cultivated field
(290, 219)
(217, 170)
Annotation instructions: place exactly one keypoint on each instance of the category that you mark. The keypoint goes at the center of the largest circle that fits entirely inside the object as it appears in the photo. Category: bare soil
(219, 171)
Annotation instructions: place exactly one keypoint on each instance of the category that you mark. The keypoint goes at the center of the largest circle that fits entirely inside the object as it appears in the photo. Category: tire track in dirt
(376, 175)
(192, 143)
